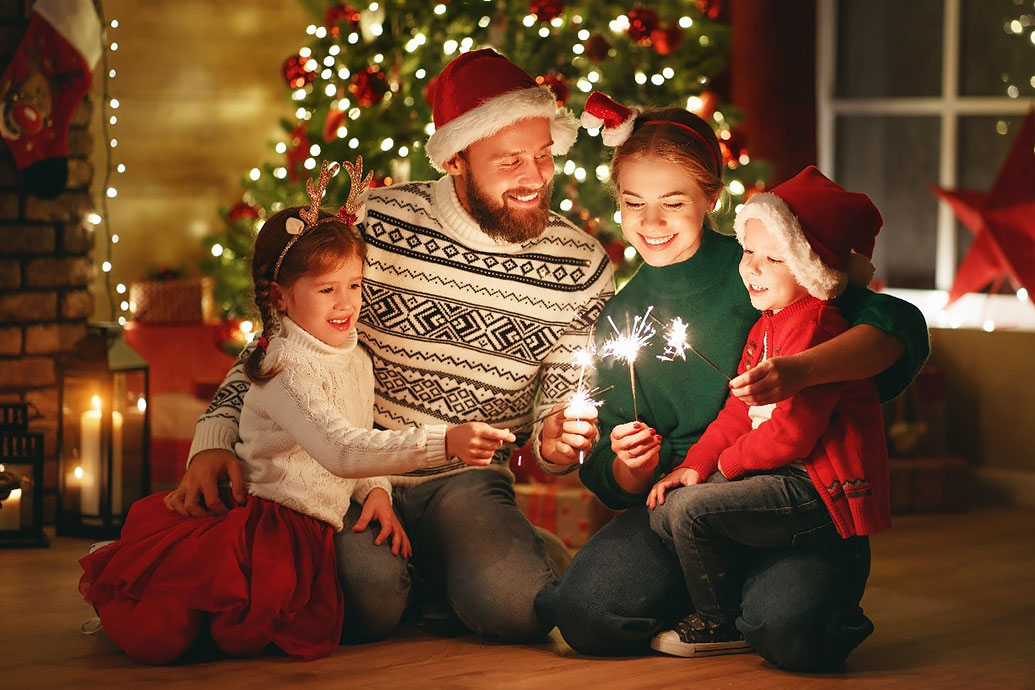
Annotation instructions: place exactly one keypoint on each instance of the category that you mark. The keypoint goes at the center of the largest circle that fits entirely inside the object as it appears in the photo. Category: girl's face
(325, 305)
(662, 209)
(766, 276)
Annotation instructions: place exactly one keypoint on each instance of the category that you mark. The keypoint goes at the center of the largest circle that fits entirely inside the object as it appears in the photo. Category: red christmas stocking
(41, 88)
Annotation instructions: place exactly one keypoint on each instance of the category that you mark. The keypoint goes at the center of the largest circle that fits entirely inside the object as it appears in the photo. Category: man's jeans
(470, 542)
(714, 527)
(799, 608)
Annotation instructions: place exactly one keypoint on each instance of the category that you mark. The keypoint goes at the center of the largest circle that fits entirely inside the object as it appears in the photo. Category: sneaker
(99, 545)
(693, 636)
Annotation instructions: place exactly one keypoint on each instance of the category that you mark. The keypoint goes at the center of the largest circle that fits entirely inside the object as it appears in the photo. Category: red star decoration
(1002, 220)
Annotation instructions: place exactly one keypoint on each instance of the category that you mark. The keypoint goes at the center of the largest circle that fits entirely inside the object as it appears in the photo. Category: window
(917, 94)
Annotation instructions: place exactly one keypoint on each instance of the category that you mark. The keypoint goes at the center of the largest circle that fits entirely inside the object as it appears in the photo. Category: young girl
(808, 470)
(800, 608)
(265, 573)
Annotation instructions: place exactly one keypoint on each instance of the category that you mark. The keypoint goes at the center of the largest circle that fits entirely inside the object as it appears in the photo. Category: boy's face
(766, 276)
(326, 305)
(663, 209)
(505, 181)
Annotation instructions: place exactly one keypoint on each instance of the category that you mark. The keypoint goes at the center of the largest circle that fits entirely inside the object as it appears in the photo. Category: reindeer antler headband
(351, 212)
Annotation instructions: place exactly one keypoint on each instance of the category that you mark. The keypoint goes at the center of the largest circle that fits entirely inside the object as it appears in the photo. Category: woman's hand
(771, 380)
(378, 507)
(636, 446)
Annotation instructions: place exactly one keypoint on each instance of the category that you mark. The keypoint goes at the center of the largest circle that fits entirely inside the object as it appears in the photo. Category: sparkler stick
(589, 396)
(677, 343)
(583, 357)
(625, 346)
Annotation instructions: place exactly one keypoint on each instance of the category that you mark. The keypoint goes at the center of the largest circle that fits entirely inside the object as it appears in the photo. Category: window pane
(983, 145)
(996, 50)
(889, 48)
(895, 161)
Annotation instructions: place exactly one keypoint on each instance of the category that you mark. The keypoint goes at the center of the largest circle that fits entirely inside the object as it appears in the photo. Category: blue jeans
(799, 608)
(471, 545)
(713, 528)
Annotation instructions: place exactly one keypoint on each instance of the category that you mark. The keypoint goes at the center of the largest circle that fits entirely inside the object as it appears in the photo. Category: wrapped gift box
(186, 300)
(572, 513)
(929, 484)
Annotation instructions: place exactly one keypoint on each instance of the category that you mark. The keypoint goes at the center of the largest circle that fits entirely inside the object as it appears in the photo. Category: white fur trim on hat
(497, 113)
(822, 281)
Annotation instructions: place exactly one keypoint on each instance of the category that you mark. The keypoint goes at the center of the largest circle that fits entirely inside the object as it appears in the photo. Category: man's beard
(500, 222)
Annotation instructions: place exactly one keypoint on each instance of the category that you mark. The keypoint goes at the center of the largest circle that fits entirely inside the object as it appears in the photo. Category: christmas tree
(362, 85)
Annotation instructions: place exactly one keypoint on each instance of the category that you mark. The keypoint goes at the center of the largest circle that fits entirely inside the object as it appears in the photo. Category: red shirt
(836, 429)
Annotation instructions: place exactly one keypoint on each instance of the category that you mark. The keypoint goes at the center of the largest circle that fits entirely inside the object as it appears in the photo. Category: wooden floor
(953, 599)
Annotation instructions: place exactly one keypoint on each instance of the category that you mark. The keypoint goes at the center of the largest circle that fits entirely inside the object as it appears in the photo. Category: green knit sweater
(681, 398)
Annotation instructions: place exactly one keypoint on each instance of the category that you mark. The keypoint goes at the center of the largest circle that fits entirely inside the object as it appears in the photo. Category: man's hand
(771, 380)
(564, 440)
(683, 477)
(378, 507)
(202, 482)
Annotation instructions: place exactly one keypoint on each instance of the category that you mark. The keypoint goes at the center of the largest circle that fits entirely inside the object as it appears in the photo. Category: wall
(200, 94)
(45, 267)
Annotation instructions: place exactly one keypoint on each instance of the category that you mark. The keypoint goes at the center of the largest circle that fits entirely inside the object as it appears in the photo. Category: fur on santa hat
(841, 225)
(616, 119)
(480, 93)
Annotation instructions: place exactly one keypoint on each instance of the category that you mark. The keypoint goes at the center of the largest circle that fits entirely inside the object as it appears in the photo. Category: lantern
(103, 434)
(21, 479)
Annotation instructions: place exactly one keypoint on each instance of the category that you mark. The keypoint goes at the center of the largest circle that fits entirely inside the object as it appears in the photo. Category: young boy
(811, 469)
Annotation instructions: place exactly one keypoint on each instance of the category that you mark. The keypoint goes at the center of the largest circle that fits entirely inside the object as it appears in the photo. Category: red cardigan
(836, 429)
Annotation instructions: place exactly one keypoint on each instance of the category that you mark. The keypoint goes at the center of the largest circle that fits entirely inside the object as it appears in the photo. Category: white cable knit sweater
(306, 437)
(460, 327)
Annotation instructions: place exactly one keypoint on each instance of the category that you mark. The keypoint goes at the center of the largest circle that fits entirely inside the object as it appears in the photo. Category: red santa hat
(617, 120)
(827, 233)
(481, 92)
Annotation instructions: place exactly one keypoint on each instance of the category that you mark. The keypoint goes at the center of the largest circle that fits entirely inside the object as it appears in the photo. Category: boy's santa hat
(481, 92)
(827, 233)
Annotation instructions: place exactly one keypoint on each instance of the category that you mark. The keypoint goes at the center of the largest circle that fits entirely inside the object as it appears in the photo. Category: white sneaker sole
(668, 642)
(99, 545)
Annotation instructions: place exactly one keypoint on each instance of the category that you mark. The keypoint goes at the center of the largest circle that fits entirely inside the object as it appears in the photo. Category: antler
(312, 214)
(350, 211)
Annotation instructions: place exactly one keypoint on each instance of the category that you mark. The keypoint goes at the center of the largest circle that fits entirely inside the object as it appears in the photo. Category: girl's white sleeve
(345, 450)
(365, 486)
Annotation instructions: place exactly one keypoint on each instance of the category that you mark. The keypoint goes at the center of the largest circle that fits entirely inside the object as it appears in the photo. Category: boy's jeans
(714, 527)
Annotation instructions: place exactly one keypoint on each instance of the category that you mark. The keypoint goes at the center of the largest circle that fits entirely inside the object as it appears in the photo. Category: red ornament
(546, 10)
(242, 210)
(597, 48)
(339, 14)
(666, 41)
(297, 153)
(429, 91)
(369, 86)
(732, 148)
(335, 119)
(642, 22)
(710, 8)
(557, 84)
(615, 251)
(1002, 220)
(379, 181)
(708, 103)
(295, 72)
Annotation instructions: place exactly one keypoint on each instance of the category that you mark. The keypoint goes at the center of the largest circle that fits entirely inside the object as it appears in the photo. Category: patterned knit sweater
(306, 437)
(460, 327)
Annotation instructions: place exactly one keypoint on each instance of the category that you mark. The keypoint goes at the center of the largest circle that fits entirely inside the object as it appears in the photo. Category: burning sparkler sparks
(626, 346)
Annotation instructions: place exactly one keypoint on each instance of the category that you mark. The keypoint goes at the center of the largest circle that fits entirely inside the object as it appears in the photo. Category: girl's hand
(771, 380)
(636, 446)
(378, 506)
(476, 442)
(683, 477)
(564, 436)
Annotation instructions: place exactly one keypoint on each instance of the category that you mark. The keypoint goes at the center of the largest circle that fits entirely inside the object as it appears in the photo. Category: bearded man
(475, 298)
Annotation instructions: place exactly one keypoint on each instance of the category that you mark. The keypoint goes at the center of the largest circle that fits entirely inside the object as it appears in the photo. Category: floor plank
(952, 596)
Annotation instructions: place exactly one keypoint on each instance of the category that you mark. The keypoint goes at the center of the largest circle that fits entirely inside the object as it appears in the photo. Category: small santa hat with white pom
(616, 119)
(827, 233)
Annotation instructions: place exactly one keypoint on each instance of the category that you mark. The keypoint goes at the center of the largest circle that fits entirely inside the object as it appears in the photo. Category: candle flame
(141, 404)
(95, 402)
(77, 472)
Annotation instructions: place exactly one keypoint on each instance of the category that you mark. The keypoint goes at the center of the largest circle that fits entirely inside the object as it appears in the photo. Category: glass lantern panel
(16, 508)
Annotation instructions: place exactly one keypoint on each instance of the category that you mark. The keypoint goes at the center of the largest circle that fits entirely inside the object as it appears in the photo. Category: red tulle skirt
(262, 574)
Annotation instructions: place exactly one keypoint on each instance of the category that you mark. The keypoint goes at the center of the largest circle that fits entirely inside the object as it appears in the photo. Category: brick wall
(45, 268)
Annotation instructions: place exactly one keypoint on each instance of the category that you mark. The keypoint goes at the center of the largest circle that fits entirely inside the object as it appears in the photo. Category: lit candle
(91, 465)
(11, 511)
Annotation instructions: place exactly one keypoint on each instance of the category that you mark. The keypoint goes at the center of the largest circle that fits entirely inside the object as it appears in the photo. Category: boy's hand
(683, 477)
(564, 436)
(378, 507)
(476, 442)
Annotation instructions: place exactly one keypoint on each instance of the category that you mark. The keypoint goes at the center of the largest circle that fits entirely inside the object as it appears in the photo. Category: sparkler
(626, 346)
(574, 400)
(677, 343)
(580, 401)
